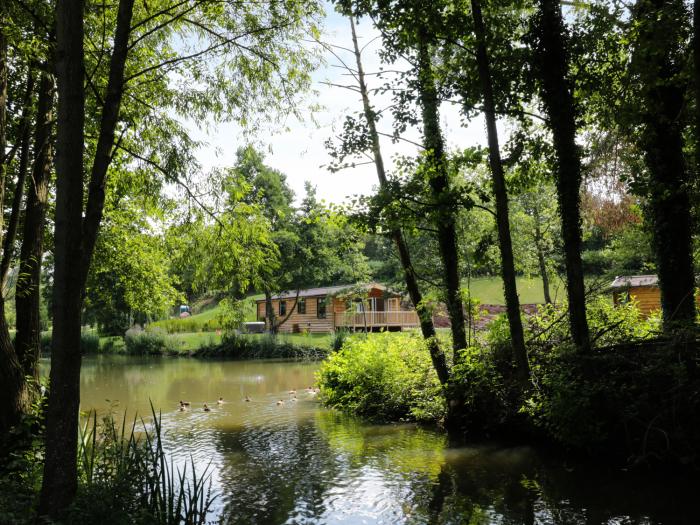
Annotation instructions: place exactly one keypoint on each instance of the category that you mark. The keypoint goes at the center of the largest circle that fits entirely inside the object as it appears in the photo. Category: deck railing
(406, 318)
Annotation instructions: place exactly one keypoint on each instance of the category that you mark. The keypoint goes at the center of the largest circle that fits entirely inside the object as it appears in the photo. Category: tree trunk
(541, 259)
(60, 465)
(27, 296)
(440, 187)
(559, 103)
(11, 234)
(500, 192)
(13, 388)
(105, 142)
(663, 98)
(426, 321)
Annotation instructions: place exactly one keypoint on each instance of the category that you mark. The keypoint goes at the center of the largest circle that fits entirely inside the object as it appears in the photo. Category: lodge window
(301, 305)
(283, 308)
(321, 308)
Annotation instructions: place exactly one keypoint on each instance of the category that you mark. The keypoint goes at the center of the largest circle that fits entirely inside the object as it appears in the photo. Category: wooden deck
(376, 319)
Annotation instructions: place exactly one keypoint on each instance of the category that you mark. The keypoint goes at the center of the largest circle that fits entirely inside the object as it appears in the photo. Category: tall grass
(126, 477)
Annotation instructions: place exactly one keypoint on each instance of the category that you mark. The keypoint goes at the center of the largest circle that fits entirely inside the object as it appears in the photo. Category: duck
(182, 408)
(292, 392)
(220, 401)
(294, 398)
(280, 402)
(184, 403)
(206, 408)
(247, 399)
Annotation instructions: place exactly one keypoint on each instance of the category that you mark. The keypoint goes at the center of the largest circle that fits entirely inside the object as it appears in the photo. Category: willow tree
(244, 57)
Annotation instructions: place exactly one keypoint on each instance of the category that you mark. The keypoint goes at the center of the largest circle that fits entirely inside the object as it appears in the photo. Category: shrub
(267, 346)
(485, 390)
(89, 343)
(149, 343)
(386, 377)
(635, 400)
(338, 339)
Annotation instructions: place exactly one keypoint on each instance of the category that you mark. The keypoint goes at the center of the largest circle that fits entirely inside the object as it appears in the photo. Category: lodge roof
(634, 281)
(327, 290)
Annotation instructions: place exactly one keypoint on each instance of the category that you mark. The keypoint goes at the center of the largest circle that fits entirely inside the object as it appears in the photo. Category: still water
(296, 462)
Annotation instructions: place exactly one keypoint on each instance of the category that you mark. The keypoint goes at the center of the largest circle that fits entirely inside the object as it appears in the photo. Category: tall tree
(657, 68)
(27, 296)
(556, 92)
(501, 196)
(424, 315)
(60, 464)
(438, 179)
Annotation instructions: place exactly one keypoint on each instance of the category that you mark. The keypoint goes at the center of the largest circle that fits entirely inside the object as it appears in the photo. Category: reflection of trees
(517, 487)
(274, 473)
(483, 486)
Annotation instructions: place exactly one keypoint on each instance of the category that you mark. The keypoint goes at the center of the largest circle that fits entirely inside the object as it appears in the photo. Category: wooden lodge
(368, 307)
(643, 288)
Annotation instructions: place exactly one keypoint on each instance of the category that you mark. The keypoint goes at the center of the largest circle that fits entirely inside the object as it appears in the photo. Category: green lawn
(489, 290)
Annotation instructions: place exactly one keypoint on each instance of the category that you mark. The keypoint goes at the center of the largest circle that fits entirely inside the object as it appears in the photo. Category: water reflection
(297, 463)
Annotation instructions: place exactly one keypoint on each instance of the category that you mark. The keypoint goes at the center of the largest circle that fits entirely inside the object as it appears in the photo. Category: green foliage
(481, 391)
(147, 343)
(267, 346)
(385, 377)
(635, 401)
(608, 324)
(339, 338)
(89, 343)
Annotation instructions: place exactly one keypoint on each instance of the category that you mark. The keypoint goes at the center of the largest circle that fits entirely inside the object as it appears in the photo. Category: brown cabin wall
(648, 298)
(308, 322)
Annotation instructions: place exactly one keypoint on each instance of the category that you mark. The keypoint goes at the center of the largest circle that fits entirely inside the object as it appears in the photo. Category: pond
(296, 462)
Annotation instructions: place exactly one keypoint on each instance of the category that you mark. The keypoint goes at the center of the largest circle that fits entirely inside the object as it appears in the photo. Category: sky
(299, 152)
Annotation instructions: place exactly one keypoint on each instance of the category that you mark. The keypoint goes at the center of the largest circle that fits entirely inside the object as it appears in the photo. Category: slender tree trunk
(60, 465)
(13, 387)
(501, 194)
(75, 238)
(541, 259)
(27, 296)
(663, 98)
(424, 316)
(440, 187)
(11, 234)
(561, 111)
(105, 141)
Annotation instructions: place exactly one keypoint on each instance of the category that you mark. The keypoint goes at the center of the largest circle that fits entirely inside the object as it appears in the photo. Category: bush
(89, 343)
(267, 346)
(146, 343)
(338, 339)
(635, 401)
(385, 377)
